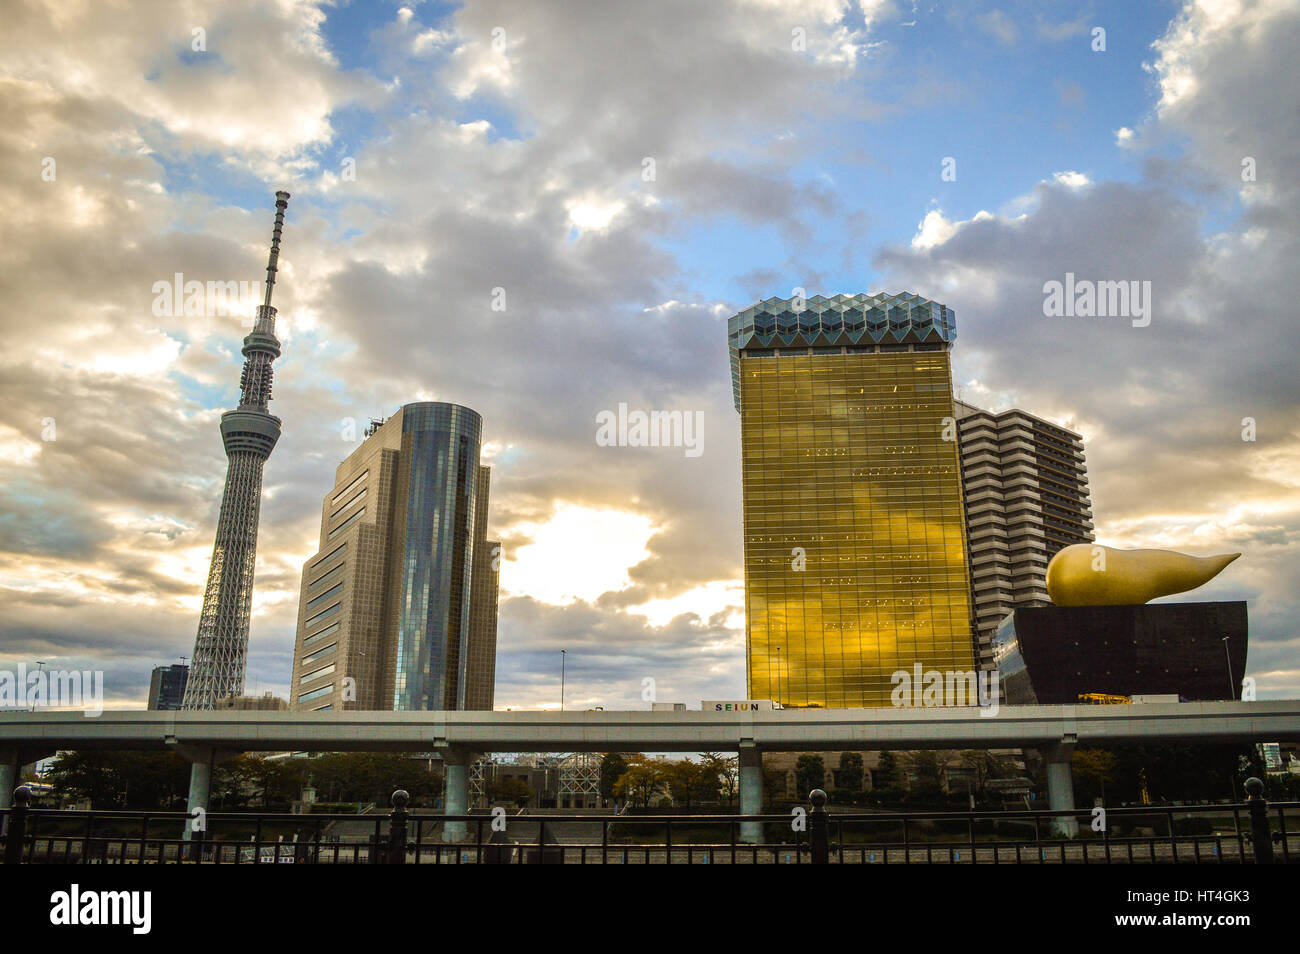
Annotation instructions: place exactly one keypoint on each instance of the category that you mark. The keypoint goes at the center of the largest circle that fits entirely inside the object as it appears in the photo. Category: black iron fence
(1253, 832)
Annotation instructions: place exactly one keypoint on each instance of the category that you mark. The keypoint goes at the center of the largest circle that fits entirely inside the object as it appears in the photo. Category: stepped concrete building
(398, 604)
(855, 532)
(250, 433)
(1026, 490)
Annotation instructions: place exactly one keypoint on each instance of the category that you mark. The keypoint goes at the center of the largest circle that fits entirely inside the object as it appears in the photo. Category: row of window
(333, 573)
(329, 630)
(354, 500)
(344, 492)
(322, 615)
(316, 693)
(316, 674)
(332, 591)
(327, 557)
(319, 654)
(347, 523)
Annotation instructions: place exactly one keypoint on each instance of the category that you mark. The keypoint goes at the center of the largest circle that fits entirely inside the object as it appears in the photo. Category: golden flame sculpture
(1087, 574)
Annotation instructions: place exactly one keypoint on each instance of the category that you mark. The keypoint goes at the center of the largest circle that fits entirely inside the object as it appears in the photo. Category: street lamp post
(562, 659)
(40, 670)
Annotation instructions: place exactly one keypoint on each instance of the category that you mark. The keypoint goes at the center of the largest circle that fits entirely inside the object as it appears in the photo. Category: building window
(320, 653)
(332, 591)
(347, 523)
(323, 614)
(317, 674)
(338, 549)
(316, 693)
(356, 480)
(328, 575)
(359, 497)
(327, 631)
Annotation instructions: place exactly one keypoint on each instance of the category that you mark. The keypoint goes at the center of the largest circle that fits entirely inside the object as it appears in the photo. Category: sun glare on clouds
(716, 596)
(579, 554)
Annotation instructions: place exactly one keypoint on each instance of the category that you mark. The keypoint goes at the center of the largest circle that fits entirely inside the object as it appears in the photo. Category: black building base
(1050, 655)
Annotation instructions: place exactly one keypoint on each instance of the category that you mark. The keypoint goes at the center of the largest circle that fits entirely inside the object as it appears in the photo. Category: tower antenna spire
(281, 203)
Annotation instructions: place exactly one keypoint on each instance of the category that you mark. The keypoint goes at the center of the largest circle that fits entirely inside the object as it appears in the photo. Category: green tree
(642, 781)
(925, 769)
(888, 775)
(689, 782)
(138, 780)
(850, 774)
(234, 784)
(612, 766)
(348, 777)
(809, 773)
(774, 784)
(1180, 772)
(1093, 770)
(727, 770)
(985, 766)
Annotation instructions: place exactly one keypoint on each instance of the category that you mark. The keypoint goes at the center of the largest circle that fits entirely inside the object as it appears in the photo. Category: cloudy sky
(624, 175)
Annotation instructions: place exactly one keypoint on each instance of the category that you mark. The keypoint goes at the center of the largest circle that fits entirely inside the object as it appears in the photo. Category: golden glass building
(855, 538)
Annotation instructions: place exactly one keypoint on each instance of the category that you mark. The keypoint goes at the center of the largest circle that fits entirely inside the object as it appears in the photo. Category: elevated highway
(207, 737)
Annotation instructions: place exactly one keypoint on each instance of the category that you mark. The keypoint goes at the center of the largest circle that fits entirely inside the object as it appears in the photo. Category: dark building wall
(167, 687)
(1051, 654)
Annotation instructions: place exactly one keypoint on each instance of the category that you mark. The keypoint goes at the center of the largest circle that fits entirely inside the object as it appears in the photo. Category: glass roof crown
(818, 321)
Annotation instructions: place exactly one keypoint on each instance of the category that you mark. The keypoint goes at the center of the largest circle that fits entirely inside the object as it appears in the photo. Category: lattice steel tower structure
(249, 433)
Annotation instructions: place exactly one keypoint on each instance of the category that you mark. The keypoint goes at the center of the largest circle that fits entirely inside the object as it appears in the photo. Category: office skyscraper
(855, 546)
(1026, 489)
(394, 612)
(167, 686)
(481, 669)
(249, 433)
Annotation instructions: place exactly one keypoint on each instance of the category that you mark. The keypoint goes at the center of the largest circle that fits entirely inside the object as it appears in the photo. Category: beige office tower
(397, 611)
(1026, 491)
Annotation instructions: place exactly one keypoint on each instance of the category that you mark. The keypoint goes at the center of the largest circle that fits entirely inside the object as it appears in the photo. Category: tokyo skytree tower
(249, 433)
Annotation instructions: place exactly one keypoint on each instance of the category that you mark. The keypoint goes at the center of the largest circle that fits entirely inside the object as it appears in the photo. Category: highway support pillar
(202, 759)
(9, 769)
(455, 801)
(751, 792)
(1060, 786)
(200, 791)
(12, 760)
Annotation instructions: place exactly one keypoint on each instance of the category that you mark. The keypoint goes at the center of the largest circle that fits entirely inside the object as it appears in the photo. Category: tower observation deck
(249, 433)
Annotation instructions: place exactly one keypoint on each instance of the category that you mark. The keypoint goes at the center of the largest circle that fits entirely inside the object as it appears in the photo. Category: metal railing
(1250, 832)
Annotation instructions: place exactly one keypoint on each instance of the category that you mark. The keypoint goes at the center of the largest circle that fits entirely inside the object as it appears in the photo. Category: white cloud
(593, 212)
(1075, 180)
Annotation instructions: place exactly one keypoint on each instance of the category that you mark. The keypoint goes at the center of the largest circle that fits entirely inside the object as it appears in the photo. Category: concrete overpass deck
(206, 737)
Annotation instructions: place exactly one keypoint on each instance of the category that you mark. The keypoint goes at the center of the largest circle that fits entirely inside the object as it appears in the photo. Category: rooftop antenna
(281, 203)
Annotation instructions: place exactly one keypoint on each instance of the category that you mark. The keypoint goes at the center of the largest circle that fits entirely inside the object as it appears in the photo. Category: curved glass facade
(441, 443)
